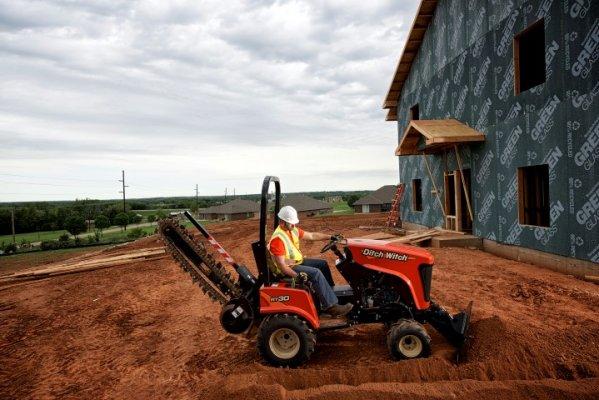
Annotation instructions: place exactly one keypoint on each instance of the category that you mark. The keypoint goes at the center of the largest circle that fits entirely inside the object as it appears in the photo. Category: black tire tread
(273, 322)
(405, 326)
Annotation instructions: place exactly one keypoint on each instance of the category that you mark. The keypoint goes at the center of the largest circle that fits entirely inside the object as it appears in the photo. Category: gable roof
(429, 136)
(302, 202)
(236, 206)
(383, 195)
(425, 13)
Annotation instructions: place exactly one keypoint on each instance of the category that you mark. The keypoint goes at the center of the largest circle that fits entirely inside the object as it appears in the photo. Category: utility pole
(123, 191)
(14, 240)
(234, 194)
(225, 195)
(197, 206)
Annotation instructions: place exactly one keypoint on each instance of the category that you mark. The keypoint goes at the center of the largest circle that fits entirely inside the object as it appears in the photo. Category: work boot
(338, 310)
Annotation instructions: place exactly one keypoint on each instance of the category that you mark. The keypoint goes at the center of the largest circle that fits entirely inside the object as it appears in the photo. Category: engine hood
(384, 250)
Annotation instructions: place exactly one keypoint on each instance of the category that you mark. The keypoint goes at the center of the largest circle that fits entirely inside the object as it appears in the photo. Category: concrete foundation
(468, 241)
(566, 265)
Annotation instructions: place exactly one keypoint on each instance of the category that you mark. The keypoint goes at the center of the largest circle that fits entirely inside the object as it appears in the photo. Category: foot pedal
(327, 323)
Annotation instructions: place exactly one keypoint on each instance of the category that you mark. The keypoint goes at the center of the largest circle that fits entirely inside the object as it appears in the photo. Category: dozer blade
(193, 258)
(464, 327)
(453, 327)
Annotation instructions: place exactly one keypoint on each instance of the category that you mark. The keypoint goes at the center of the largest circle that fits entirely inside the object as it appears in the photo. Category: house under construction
(497, 109)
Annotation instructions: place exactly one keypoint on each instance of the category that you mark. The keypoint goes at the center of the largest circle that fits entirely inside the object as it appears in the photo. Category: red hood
(413, 252)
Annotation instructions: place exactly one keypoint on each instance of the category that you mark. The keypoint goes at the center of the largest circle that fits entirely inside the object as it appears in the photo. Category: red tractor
(388, 283)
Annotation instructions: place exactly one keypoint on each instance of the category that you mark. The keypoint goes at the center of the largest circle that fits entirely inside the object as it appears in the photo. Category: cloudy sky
(218, 93)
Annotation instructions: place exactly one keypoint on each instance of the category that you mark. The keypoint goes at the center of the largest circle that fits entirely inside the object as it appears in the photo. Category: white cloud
(209, 92)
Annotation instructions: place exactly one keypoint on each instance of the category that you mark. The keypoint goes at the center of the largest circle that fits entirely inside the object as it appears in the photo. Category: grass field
(32, 236)
(342, 207)
(145, 213)
(149, 230)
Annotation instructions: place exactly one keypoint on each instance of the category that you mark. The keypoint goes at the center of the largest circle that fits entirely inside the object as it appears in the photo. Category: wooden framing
(454, 218)
(451, 220)
(439, 134)
(430, 174)
(458, 159)
(423, 17)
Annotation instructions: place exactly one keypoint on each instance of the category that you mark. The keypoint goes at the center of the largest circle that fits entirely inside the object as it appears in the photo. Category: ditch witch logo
(389, 255)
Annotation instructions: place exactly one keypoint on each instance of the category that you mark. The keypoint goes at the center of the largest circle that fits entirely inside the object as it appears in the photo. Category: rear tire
(285, 340)
(407, 339)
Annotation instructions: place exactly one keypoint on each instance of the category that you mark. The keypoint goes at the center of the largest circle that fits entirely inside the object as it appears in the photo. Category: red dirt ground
(144, 331)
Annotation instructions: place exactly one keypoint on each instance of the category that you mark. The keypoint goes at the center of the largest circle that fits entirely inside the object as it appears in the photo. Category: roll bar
(260, 248)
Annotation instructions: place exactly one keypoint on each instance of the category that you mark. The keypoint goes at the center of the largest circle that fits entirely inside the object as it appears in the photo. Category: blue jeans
(322, 265)
(323, 290)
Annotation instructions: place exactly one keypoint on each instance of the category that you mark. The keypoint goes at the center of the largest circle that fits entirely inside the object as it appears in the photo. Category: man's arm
(286, 269)
(316, 236)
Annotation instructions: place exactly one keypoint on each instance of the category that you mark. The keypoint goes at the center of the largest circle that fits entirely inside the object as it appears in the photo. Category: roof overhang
(434, 135)
(425, 13)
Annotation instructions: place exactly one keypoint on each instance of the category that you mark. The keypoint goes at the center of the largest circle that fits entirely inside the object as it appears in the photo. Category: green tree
(352, 199)
(122, 220)
(134, 218)
(101, 222)
(75, 224)
(151, 218)
(161, 214)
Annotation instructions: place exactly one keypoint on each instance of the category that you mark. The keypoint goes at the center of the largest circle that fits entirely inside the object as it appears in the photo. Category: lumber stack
(419, 236)
(78, 265)
(592, 278)
(378, 236)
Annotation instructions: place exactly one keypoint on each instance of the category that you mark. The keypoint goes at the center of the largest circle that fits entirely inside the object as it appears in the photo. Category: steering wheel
(332, 242)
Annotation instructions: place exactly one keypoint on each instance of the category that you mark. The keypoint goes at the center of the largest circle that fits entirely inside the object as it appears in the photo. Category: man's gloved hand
(337, 237)
(302, 278)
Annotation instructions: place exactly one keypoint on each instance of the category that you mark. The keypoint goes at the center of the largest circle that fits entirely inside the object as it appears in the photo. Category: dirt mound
(144, 330)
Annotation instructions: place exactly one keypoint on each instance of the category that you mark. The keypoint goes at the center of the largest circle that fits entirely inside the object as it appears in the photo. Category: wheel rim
(410, 346)
(284, 343)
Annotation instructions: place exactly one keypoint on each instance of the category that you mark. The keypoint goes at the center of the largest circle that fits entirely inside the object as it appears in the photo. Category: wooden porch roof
(431, 136)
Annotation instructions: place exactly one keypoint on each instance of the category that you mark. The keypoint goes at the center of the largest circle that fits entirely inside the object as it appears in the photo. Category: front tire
(407, 339)
(285, 340)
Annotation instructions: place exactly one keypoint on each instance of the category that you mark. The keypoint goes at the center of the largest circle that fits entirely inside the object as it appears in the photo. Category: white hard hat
(288, 214)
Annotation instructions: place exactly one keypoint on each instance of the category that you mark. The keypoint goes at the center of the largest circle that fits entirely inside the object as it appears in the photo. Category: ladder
(393, 218)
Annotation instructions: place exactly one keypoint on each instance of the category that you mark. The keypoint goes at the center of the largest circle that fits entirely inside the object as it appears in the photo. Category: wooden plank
(88, 263)
(457, 154)
(421, 234)
(428, 168)
(378, 236)
(592, 278)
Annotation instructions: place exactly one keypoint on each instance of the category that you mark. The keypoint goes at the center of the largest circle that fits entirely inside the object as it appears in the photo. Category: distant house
(333, 199)
(306, 206)
(231, 211)
(378, 201)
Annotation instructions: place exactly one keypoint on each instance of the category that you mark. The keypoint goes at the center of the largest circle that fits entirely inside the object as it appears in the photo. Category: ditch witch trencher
(388, 283)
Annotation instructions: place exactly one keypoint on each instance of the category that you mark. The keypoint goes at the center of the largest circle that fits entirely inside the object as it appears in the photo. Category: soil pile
(144, 330)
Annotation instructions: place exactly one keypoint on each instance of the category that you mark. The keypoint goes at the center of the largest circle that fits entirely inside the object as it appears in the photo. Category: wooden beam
(457, 155)
(434, 185)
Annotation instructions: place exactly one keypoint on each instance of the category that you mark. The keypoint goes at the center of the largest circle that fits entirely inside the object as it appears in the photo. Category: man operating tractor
(287, 260)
